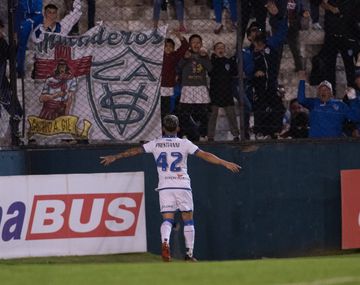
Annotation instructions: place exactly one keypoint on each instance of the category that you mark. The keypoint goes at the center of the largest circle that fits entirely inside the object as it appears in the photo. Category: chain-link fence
(108, 71)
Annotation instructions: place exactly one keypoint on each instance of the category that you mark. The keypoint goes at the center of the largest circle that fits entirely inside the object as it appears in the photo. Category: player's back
(170, 153)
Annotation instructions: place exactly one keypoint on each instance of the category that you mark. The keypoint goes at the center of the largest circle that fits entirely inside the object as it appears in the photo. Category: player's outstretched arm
(209, 157)
(106, 160)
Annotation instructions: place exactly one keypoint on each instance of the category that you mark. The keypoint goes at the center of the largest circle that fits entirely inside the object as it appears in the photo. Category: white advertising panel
(72, 214)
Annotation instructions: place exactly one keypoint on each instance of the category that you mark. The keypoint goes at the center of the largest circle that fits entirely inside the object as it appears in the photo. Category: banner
(350, 208)
(74, 214)
(100, 86)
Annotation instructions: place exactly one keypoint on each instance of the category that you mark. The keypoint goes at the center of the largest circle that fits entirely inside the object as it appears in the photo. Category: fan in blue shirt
(327, 115)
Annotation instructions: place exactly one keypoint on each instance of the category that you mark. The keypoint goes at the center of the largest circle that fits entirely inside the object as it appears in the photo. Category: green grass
(148, 269)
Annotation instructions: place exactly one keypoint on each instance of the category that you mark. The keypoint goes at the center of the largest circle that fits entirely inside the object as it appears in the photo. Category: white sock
(165, 231)
(189, 234)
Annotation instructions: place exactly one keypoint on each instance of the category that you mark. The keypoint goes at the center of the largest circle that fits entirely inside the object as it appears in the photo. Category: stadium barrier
(285, 202)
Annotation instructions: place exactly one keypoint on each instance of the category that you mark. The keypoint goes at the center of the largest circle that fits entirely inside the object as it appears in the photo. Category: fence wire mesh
(108, 71)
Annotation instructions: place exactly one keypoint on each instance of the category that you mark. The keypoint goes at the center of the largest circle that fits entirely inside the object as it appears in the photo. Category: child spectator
(194, 98)
(221, 91)
(179, 7)
(298, 121)
(168, 74)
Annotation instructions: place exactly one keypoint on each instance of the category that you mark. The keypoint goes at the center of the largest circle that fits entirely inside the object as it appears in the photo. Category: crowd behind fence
(77, 71)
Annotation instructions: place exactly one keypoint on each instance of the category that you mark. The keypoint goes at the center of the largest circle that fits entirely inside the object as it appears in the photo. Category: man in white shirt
(51, 24)
(170, 153)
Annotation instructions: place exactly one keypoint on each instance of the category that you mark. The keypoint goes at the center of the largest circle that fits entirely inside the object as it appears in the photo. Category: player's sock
(189, 234)
(165, 230)
(189, 252)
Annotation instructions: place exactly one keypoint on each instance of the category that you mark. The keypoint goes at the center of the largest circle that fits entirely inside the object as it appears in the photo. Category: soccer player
(170, 153)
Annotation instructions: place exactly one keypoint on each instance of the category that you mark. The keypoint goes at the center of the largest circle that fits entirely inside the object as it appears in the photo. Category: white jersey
(170, 153)
(63, 27)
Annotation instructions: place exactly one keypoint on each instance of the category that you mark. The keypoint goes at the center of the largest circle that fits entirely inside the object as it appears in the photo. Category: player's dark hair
(170, 41)
(170, 123)
(51, 6)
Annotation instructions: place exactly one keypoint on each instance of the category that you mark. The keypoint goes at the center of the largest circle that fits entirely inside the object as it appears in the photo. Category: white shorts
(173, 200)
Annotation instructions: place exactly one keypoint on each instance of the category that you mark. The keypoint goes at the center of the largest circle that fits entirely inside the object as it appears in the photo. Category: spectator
(6, 100)
(268, 107)
(273, 42)
(298, 121)
(296, 10)
(179, 7)
(218, 10)
(315, 15)
(168, 73)
(51, 23)
(194, 98)
(339, 38)
(328, 115)
(28, 17)
(221, 91)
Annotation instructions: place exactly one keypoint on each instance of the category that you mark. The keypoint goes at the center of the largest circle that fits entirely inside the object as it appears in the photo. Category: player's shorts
(173, 200)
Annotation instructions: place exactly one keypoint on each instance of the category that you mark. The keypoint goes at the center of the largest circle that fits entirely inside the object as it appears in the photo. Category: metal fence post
(12, 64)
(239, 45)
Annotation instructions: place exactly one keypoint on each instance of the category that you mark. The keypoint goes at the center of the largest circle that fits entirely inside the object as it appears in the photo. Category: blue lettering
(13, 227)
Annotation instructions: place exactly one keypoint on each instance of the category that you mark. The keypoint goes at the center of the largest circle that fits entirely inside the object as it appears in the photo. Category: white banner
(74, 214)
(102, 85)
